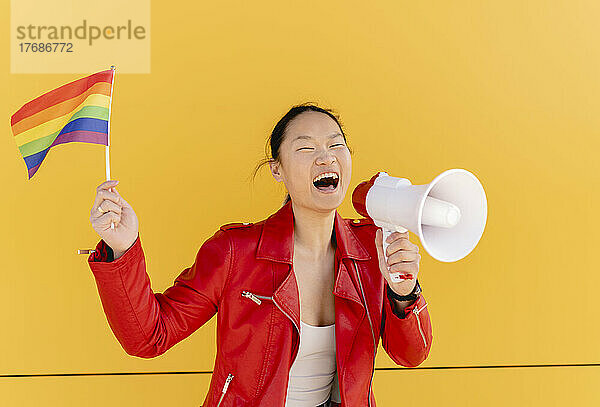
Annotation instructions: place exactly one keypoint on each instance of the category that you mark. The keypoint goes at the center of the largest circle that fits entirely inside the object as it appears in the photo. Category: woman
(301, 295)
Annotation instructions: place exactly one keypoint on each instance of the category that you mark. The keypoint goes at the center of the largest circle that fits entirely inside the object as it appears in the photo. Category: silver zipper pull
(253, 297)
(417, 311)
(227, 381)
(225, 386)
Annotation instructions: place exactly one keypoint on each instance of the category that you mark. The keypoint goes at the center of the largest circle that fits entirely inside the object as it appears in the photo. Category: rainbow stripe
(77, 111)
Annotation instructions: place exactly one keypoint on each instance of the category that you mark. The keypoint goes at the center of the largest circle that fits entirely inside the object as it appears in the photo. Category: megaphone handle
(395, 277)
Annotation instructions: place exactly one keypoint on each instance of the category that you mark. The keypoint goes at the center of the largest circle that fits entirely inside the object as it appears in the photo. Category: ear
(274, 165)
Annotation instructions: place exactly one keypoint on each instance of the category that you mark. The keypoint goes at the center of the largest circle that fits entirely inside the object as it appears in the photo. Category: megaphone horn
(448, 214)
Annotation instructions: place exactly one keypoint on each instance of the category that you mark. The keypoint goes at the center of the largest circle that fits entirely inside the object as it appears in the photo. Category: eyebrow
(310, 138)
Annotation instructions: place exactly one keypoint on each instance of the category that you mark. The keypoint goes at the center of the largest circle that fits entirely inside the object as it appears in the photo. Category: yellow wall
(506, 89)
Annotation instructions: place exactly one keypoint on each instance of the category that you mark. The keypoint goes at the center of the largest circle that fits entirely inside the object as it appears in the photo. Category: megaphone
(448, 214)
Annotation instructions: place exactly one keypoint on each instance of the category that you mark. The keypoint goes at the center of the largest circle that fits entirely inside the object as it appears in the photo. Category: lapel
(277, 245)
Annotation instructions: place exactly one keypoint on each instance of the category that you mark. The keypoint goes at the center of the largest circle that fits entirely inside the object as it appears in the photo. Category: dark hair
(276, 138)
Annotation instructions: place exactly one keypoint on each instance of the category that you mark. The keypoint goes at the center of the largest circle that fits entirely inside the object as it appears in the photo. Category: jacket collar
(277, 239)
(277, 244)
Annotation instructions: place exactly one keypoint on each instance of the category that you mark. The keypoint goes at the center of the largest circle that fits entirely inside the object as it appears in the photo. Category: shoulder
(361, 225)
(359, 222)
(243, 232)
(230, 237)
(240, 226)
(363, 228)
(226, 233)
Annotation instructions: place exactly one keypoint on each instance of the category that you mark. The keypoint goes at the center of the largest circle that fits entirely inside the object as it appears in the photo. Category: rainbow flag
(78, 111)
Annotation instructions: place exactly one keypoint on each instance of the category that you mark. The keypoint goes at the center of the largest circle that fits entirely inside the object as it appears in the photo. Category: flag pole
(107, 150)
(112, 82)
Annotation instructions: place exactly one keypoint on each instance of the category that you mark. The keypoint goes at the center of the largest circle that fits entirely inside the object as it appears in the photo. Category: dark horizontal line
(487, 366)
(102, 374)
(377, 368)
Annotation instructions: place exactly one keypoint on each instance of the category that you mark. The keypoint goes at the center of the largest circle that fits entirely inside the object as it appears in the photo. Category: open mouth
(326, 182)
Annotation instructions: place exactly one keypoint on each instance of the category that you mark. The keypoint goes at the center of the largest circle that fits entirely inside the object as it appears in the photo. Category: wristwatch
(410, 297)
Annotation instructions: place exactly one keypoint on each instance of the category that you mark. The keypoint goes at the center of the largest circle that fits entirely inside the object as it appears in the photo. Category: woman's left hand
(403, 257)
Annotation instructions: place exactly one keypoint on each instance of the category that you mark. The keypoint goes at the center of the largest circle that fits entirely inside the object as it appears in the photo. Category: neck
(313, 231)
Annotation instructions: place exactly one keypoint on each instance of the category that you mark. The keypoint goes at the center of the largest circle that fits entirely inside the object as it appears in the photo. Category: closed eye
(303, 148)
(338, 144)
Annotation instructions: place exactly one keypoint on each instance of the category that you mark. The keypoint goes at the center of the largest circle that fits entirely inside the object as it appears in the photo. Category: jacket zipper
(256, 298)
(225, 387)
(372, 333)
(416, 312)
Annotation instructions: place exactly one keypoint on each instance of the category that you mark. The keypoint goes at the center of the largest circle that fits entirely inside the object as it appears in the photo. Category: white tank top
(313, 375)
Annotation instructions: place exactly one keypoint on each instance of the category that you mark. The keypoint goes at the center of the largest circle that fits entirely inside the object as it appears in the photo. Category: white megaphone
(448, 214)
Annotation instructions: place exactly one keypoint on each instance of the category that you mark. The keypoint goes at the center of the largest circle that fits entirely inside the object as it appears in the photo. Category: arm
(145, 323)
(406, 338)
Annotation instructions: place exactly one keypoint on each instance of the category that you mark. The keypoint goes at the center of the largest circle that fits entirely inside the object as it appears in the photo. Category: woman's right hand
(116, 209)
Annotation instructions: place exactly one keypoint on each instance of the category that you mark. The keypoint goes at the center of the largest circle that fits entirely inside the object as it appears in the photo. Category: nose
(326, 157)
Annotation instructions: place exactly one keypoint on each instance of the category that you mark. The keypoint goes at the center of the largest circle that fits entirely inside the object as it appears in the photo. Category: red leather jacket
(245, 272)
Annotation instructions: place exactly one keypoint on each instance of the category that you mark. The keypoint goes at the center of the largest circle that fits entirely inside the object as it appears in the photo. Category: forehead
(312, 125)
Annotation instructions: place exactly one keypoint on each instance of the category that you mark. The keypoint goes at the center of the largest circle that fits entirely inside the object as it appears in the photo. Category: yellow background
(508, 90)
